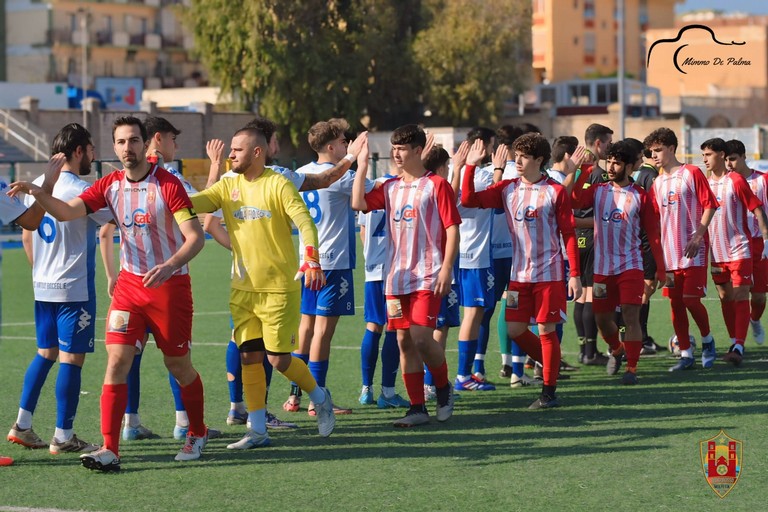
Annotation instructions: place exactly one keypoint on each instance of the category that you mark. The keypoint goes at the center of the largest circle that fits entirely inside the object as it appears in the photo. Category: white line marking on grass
(32, 509)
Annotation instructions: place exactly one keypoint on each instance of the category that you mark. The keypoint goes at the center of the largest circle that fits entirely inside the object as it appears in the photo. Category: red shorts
(738, 272)
(691, 281)
(759, 267)
(166, 311)
(608, 292)
(417, 308)
(536, 303)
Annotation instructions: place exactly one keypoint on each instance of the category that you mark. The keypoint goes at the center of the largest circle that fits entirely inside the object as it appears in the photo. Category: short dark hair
(596, 131)
(480, 132)
(156, 124)
(663, 136)
(507, 134)
(735, 146)
(324, 132)
(535, 145)
(635, 144)
(69, 138)
(565, 144)
(622, 151)
(129, 121)
(410, 134)
(254, 132)
(716, 144)
(264, 125)
(436, 158)
(528, 128)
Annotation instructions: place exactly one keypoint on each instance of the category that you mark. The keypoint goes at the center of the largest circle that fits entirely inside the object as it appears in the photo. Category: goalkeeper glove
(314, 279)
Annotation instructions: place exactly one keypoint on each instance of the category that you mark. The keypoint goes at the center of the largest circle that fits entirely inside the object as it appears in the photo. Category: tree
(475, 55)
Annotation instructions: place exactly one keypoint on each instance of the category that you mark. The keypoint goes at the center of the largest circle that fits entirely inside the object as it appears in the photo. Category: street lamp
(84, 68)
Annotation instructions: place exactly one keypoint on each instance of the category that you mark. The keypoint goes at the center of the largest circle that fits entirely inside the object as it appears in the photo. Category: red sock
(531, 345)
(729, 315)
(699, 314)
(741, 321)
(757, 309)
(550, 350)
(439, 375)
(680, 322)
(193, 398)
(613, 341)
(633, 349)
(114, 398)
(414, 386)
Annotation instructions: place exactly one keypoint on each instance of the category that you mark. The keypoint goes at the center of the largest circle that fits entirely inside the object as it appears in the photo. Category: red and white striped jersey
(680, 198)
(418, 214)
(621, 213)
(537, 215)
(758, 184)
(144, 211)
(729, 231)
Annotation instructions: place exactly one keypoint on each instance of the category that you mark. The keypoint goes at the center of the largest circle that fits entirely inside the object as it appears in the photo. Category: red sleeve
(707, 199)
(173, 192)
(744, 192)
(94, 197)
(649, 217)
(565, 223)
(374, 199)
(488, 198)
(446, 202)
(582, 197)
(652, 199)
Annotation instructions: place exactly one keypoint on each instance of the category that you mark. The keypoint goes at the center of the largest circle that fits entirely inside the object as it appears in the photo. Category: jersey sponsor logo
(343, 288)
(672, 199)
(615, 215)
(118, 321)
(84, 320)
(235, 195)
(138, 218)
(490, 282)
(251, 213)
(528, 214)
(406, 213)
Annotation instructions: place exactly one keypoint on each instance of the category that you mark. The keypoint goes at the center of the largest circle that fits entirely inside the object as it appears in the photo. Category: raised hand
(476, 152)
(460, 157)
(214, 148)
(53, 171)
(428, 146)
(356, 146)
(576, 159)
(500, 156)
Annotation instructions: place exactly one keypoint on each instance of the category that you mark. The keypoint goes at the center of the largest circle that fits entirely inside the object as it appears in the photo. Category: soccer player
(621, 209)
(258, 206)
(63, 278)
(13, 210)
(159, 235)
(686, 205)
(736, 161)
(373, 233)
(335, 221)
(731, 239)
(538, 212)
(422, 227)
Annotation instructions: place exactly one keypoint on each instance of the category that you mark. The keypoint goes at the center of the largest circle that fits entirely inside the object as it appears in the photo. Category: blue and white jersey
(375, 240)
(501, 240)
(63, 253)
(186, 184)
(476, 226)
(334, 218)
(11, 208)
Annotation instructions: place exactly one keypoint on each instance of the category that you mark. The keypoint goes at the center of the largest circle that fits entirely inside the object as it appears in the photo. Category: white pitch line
(33, 509)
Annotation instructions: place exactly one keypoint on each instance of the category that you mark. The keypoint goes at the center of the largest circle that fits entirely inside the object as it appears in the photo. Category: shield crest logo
(722, 462)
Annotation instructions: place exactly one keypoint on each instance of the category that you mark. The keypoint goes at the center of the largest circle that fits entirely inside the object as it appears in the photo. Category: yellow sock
(255, 386)
(299, 373)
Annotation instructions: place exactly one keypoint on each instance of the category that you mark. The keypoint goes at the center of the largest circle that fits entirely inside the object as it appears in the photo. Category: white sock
(132, 420)
(62, 435)
(387, 392)
(463, 378)
(686, 353)
(506, 359)
(24, 419)
(739, 347)
(182, 420)
(707, 339)
(238, 406)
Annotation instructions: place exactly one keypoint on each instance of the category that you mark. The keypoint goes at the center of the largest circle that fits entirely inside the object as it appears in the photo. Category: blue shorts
(375, 303)
(66, 325)
(449, 309)
(476, 287)
(336, 298)
(502, 269)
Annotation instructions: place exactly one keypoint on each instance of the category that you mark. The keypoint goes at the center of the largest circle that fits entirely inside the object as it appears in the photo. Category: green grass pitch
(608, 448)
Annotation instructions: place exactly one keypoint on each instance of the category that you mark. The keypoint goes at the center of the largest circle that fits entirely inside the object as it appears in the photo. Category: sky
(748, 6)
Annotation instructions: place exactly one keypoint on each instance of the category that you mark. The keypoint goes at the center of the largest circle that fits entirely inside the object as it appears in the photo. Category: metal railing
(21, 132)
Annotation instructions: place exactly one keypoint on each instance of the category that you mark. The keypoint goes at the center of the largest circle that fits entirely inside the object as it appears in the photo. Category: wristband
(498, 169)
(350, 158)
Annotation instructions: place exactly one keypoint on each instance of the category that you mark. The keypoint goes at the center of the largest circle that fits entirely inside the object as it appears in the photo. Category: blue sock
(369, 354)
(319, 370)
(34, 378)
(482, 342)
(428, 379)
(390, 359)
(134, 386)
(67, 395)
(176, 391)
(518, 360)
(235, 368)
(467, 351)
